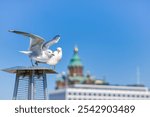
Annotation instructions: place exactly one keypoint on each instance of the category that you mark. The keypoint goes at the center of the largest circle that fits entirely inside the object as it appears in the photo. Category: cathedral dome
(75, 60)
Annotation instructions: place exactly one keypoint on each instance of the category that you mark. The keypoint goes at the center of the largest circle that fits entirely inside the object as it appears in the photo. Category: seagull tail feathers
(11, 30)
(26, 52)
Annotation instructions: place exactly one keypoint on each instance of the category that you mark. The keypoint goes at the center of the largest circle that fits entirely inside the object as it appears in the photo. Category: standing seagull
(39, 49)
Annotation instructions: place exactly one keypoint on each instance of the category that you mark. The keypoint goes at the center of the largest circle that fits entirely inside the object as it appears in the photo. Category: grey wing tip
(16, 31)
(57, 37)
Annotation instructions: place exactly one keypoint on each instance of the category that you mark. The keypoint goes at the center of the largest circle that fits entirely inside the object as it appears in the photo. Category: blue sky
(113, 37)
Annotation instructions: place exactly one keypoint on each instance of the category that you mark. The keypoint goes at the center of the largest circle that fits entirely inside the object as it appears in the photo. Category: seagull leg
(32, 62)
(54, 67)
(36, 63)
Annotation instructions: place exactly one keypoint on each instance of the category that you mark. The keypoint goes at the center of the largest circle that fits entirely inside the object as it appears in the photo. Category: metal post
(31, 86)
(16, 87)
(45, 85)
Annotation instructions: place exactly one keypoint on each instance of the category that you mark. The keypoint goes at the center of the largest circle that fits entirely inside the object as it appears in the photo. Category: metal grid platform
(26, 69)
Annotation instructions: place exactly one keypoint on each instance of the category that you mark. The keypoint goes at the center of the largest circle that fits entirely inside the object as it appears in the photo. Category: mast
(138, 75)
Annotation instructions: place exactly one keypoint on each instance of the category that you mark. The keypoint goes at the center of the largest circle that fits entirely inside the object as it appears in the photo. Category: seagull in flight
(39, 49)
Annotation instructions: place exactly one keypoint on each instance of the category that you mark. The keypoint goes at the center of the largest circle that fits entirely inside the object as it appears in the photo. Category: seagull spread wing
(35, 41)
(51, 42)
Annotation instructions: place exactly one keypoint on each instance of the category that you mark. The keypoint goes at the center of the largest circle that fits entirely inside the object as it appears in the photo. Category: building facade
(77, 86)
(100, 92)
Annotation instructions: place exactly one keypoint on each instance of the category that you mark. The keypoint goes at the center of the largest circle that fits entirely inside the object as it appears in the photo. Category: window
(114, 95)
(147, 96)
(123, 95)
(118, 95)
(142, 96)
(94, 94)
(133, 95)
(128, 95)
(137, 96)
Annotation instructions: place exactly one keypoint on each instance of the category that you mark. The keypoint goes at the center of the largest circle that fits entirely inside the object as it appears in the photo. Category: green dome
(75, 61)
